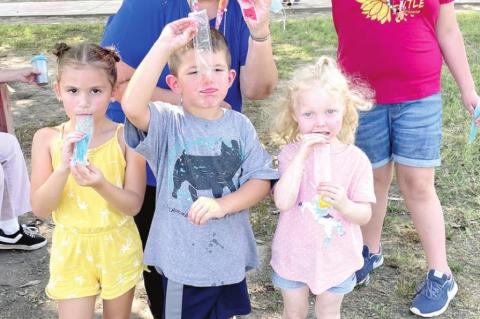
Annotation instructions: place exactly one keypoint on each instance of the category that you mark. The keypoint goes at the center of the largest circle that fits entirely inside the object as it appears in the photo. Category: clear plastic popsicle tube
(202, 42)
(84, 124)
(323, 169)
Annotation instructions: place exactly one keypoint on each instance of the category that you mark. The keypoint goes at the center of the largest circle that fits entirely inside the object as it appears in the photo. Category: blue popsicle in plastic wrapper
(473, 127)
(39, 62)
(84, 124)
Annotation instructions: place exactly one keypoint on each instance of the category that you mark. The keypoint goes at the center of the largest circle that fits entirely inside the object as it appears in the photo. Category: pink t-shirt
(397, 54)
(318, 246)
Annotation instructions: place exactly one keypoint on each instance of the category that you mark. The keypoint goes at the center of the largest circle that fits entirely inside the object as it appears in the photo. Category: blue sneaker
(370, 262)
(434, 295)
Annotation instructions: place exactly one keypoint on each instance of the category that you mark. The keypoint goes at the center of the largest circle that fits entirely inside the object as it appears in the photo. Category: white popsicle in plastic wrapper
(323, 168)
(202, 42)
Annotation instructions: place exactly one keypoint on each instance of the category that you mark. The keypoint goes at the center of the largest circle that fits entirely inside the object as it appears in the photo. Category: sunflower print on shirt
(384, 10)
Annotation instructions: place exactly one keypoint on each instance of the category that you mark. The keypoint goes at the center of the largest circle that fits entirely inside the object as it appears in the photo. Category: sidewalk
(108, 7)
(105, 7)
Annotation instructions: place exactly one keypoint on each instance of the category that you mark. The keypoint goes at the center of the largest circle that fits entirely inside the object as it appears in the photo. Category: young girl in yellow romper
(96, 248)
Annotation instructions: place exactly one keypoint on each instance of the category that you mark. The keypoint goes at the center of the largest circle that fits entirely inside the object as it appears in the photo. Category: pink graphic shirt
(316, 245)
(393, 47)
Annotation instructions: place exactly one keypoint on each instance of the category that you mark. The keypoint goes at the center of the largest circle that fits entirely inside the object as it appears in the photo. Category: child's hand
(178, 33)
(204, 209)
(68, 146)
(309, 141)
(334, 195)
(86, 175)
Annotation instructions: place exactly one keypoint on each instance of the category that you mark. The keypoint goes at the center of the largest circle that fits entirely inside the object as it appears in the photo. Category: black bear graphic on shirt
(207, 172)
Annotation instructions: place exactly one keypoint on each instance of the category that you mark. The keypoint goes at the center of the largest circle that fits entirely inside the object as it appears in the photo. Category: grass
(457, 181)
(33, 38)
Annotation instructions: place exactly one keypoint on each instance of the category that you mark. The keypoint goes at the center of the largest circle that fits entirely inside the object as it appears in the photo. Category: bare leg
(372, 232)
(327, 305)
(120, 307)
(78, 308)
(295, 303)
(417, 187)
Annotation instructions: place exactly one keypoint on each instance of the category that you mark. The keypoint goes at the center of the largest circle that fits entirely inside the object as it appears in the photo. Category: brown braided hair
(87, 54)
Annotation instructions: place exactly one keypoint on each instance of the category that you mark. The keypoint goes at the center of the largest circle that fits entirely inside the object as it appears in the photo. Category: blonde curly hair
(323, 75)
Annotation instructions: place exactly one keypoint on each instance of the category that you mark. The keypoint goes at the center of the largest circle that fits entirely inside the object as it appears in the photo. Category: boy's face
(202, 93)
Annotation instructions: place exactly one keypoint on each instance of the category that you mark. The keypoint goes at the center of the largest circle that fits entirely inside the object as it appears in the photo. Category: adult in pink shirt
(397, 46)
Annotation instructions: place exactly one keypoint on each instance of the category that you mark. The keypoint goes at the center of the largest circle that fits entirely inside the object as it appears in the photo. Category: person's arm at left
(26, 75)
(451, 43)
(249, 194)
(258, 77)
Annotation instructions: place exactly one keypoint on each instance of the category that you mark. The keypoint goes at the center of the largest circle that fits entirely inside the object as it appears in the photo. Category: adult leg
(77, 308)
(327, 305)
(295, 303)
(15, 198)
(2, 188)
(373, 137)
(16, 188)
(372, 232)
(120, 307)
(418, 190)
(152, 279)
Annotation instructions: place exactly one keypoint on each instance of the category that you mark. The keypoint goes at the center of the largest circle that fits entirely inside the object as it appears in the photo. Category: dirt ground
(24, 275)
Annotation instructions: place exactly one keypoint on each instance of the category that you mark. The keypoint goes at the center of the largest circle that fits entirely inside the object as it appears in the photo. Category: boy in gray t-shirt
(210, 168)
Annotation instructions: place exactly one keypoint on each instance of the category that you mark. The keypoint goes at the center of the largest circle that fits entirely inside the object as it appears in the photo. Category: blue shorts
(343, 288)
(220, 302)
(408, 133)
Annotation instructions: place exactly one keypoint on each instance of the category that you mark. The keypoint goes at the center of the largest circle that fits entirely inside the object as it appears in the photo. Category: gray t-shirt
(193, 157)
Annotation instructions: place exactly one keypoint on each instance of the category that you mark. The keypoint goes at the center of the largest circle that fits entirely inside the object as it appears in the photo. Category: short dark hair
(219, 44)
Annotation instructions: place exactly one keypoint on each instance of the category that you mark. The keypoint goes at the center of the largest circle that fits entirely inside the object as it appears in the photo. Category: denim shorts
(408, 133)
(343, 288)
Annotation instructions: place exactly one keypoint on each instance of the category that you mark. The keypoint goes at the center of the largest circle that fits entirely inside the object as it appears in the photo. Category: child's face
(84, 90)
(317, 112)
(202, 92)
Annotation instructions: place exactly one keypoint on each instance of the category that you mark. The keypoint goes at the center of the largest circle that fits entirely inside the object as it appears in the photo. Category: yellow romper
(95, 248)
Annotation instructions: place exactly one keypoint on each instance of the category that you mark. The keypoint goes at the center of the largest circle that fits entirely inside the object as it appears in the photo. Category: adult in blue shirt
(134, 29)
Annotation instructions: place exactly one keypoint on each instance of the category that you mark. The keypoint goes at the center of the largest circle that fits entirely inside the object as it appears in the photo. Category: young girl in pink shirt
(324, 193)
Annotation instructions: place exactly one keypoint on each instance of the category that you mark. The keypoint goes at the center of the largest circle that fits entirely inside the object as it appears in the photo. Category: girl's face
(84, 90)
(317, 112)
